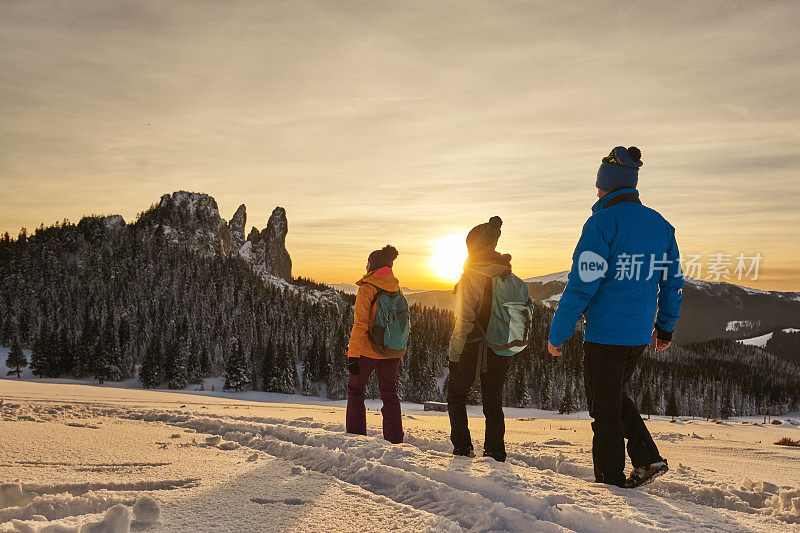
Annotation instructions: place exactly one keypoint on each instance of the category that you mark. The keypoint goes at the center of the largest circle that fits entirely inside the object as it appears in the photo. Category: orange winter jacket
(364, 316)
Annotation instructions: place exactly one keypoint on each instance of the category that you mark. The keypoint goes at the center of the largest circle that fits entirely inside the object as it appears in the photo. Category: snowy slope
(558, 276)
(762, 340)
(72, 452)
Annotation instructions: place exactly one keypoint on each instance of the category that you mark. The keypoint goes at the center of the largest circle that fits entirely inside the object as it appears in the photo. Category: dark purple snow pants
(387, 385)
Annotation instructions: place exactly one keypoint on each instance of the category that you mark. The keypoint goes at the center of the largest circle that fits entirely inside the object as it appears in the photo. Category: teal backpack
(389, 334)
(510, 326)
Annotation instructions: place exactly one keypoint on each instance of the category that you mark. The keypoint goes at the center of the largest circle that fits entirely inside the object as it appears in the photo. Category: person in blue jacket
(626, 281)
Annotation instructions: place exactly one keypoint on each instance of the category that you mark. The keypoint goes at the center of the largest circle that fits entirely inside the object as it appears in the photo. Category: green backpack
(510, 325)
(389, 333)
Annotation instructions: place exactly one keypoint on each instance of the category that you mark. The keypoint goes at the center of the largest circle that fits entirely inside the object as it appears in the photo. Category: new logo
(591, 266)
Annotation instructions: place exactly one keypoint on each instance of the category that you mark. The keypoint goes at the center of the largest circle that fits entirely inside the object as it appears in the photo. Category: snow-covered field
(108, 459)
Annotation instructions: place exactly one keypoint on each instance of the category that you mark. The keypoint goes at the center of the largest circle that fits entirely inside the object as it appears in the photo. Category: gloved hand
(352, 365)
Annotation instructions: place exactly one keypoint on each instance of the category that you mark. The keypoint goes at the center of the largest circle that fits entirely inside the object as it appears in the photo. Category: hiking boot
(499, 456)
(646, 474)
(465, 452)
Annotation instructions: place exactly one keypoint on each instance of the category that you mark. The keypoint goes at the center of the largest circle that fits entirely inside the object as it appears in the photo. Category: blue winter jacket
(622, 305)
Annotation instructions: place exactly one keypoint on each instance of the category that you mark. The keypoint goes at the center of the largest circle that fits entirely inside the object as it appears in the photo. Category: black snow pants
(606, 370)
(462, 377)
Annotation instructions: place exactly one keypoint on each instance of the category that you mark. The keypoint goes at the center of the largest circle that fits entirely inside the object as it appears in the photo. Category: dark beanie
(484, 237)
(383, 258)
(619, 169)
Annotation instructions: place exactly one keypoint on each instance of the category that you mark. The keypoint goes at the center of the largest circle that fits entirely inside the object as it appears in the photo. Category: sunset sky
(406, 122)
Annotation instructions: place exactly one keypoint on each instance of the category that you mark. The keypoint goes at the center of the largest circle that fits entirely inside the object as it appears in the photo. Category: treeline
(96, 299)
(785, 345)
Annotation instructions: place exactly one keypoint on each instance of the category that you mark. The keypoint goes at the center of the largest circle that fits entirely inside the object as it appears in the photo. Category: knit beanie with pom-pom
(484, 237)
(383, 258)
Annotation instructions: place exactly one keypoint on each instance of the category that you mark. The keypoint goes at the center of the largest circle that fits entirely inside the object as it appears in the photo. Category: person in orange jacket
(363, 357)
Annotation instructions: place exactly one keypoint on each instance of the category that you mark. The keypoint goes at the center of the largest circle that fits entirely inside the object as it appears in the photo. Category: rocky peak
(193, 219)
(114, 222)
(190, 204)
(266, 250)
(236, 227)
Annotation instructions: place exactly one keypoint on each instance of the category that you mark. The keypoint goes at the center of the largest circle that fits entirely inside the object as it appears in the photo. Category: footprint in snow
(287, 501)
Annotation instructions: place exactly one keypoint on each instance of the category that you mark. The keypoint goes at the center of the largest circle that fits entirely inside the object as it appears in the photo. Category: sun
(448, 256)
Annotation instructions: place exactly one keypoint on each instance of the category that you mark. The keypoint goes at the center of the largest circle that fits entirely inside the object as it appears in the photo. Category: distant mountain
(710, 310)
(352, 288)
(558, 276)
(725, 310)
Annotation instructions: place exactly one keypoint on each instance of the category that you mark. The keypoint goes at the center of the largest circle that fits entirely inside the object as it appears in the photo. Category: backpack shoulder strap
(378, 292)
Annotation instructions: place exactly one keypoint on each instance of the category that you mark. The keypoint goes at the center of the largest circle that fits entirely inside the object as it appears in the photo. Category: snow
(114, 222)
(558, 276)
(697, 282)
(752, 290)
(189, 461)
(762, 340)
(245, 251)
(146, 510)
(736, 325)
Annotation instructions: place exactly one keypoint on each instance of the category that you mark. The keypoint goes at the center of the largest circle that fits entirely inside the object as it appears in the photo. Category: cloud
(401, 121)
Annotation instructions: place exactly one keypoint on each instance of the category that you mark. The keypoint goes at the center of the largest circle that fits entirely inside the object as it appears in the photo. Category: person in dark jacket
(473, 306)
(626, 280)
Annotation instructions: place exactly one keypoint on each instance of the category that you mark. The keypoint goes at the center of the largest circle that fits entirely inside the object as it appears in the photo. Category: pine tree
(336, 383)
(179, 378)
(102, 364)
(710, 405)
(150, 371)
(268, 376)
(175, 366)
(567, 404)
(309, 387)
(544, 392)
(124, 337)
(287, 371)
(38, 363)
(51, 355)
(16, 360)
(82, 356)
(726, 411)
(65, 353)
(647, 404)
(522, 397)
(236, 370)
(193, 365)
(205, 362)
(672, 405)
